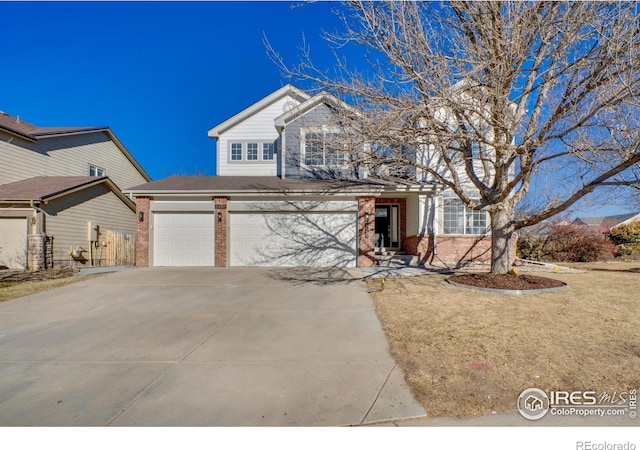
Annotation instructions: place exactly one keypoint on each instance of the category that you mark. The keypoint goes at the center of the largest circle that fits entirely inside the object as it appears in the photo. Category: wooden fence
(120, 249)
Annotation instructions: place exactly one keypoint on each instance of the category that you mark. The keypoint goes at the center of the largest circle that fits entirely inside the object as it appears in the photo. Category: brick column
(143, 206)
(221, 231)
(366, 231)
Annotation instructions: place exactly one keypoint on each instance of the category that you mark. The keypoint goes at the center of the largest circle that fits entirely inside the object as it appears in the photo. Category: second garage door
(183, 239)
(293, 239)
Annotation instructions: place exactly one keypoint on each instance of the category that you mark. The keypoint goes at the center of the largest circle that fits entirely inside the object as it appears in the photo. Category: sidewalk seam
(378, 394)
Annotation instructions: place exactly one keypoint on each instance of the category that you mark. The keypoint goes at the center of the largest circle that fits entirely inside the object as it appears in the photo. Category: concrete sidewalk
(199, 347)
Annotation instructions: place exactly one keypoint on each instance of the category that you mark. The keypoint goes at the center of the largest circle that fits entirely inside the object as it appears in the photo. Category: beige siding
(259, 127)
(68, 217)
(66, 156)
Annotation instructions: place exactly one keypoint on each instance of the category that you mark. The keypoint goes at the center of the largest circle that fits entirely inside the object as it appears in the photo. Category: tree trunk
(501, 234)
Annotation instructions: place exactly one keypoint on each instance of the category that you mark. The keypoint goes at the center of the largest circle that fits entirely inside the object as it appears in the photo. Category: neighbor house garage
(13, 242)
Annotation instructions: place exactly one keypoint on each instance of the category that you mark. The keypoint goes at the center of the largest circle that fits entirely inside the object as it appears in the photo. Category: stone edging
(506, 291)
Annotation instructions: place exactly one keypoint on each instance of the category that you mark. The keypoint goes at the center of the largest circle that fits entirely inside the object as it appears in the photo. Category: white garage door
(13, 243)
(183, 239)
(293, 239)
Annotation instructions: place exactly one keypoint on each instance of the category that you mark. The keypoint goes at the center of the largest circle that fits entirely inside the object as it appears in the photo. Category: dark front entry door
(387, 226)
(383, 226)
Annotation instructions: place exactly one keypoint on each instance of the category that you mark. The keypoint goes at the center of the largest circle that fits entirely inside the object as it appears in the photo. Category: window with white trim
(267, 151)
(460, 219)
(323, 148)
(95, 171)
(236, 151)
(252, 151)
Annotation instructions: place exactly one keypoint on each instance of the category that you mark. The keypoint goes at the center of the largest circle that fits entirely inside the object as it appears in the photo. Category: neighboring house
(602, 225)
(286, 195)
(56, 185)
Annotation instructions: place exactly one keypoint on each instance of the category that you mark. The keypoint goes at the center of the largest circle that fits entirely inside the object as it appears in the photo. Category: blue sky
(160, 74)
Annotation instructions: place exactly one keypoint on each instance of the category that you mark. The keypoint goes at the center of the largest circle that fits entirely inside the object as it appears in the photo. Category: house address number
(221, 206)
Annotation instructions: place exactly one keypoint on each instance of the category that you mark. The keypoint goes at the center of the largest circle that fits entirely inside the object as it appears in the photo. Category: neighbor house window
(460, 219)
(252, 151)
(95, 171)
(323, 148)
(236, 151)
(267, 151)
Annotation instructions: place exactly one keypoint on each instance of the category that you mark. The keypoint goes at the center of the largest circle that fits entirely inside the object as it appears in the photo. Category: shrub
(569, 243)
(530, 247)
(626, 237)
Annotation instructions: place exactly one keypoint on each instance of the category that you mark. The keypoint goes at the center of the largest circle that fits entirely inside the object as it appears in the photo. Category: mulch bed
(507, 281)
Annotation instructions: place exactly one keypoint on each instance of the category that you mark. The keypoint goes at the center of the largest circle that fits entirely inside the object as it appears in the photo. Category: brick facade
(220, 231)
(453, 249)
(143, 206)
(366, 231)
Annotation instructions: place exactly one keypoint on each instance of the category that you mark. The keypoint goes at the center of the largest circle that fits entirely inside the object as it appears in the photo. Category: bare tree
(495, 98)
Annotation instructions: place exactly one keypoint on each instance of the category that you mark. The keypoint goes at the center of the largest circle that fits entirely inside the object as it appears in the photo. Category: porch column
(366, 231)
(143, 206)
(220, 230)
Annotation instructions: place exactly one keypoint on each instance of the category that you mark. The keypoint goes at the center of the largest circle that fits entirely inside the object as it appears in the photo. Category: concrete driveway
(199, 347)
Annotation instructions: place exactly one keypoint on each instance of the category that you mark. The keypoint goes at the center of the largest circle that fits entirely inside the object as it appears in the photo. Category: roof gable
(323, 98)
(44, 189)
(243, 115)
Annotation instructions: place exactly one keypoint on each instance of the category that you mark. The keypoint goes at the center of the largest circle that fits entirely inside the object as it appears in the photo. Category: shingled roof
(262, 184)
(28, 131)
(40, 189)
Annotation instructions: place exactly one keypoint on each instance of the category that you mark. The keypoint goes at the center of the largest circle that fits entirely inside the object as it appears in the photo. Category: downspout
(41, 214)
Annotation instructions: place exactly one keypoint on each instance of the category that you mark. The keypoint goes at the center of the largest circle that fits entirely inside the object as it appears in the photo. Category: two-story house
(60, 190)
(285, 194)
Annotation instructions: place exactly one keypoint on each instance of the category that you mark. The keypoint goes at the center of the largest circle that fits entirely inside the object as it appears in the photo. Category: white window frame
(468, 221)
(96, 171)
(232, 154)
(252, 151)
(245, 156)
(270, 149)
(323, 131)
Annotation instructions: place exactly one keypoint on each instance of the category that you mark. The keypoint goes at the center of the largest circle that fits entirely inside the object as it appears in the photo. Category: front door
(387, 235)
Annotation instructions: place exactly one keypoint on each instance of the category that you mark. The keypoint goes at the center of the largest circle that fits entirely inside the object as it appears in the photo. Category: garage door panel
(184, 239)
(13, 243)
(290, 240)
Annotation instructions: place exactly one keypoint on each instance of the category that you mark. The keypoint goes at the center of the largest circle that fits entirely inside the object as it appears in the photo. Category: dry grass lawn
(11, 289)
(469, 353)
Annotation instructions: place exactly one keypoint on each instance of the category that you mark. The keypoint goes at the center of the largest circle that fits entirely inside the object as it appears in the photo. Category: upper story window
(236, 151)
(95, 171)
(323, 148)
(251, 151)
(460, 219)
(267, 151)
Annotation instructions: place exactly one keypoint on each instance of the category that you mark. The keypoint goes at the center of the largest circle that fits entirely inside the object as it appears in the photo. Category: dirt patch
(14, 276)
(470, 353)
(15, 284)
(506, 281)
